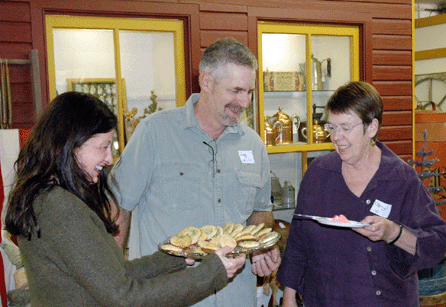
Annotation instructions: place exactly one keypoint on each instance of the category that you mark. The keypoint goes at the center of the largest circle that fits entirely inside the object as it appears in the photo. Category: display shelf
(300, 147)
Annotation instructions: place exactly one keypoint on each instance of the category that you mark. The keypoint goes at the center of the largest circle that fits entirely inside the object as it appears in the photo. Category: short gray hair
(223, 51)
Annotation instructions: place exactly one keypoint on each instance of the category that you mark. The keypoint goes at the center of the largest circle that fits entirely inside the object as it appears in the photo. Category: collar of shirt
(388, 169)
(190, 121)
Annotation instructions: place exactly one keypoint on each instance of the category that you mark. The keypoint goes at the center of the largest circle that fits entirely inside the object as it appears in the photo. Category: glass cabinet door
(301, 65)
(136, 66)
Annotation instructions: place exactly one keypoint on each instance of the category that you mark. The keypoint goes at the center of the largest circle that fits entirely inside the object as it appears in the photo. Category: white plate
(350, 224)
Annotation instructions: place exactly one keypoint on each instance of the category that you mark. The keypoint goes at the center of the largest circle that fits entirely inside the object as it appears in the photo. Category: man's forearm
(258, 217)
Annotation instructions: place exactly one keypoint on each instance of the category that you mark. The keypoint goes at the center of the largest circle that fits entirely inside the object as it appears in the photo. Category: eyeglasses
(212, 165)
(344, 128)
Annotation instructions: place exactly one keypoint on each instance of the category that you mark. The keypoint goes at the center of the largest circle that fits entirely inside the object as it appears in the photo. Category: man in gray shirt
(198, 165)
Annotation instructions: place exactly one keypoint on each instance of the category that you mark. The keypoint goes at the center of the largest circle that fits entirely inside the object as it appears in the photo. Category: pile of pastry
(209, 238)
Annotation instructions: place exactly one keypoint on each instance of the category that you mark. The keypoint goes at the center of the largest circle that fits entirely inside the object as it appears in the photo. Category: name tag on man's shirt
(381, 209)
(246, 156)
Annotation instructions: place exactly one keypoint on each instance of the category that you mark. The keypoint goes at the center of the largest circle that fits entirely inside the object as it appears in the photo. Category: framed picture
(106, 90)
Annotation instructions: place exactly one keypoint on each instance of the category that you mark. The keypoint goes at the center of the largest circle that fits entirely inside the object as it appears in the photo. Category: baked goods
(237, 228)
(246, 237)
(197, 242)
(192, 232)
(170, 247)
(248, 244)
(228, 228)
(181, 241)
(269, 237)
(263, 232)
(209, 230)
(257, 228)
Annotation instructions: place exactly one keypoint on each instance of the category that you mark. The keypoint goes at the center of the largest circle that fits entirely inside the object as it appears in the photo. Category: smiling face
(355, 145)
(232, 94)
(94, 154)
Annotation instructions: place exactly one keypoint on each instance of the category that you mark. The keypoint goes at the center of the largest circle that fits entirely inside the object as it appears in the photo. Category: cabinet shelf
(301, 147)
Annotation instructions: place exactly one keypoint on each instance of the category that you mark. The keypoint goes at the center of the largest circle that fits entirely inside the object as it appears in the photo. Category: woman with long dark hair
(60, 210)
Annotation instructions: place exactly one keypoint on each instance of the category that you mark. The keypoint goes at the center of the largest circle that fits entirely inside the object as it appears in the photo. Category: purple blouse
(332, 266)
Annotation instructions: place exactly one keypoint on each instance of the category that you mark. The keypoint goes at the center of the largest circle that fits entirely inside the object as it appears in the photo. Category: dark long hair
(48, 159)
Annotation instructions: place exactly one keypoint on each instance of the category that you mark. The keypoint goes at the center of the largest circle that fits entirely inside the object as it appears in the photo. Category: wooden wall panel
(392, 27)
(16, 43)
(208, 37)
(397, 103)
(401, 148)
(397, 118)
(15, 11)
(381, 72)
(390, 133)
(394, 88)
(15, 32)
(392, 42)
(9, 50)
(394, 57)
(223, 21)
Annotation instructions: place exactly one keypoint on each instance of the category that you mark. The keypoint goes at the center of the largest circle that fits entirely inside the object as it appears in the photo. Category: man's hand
(265, 263)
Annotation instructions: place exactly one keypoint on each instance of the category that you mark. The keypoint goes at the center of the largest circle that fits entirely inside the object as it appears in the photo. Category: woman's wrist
(398, 236)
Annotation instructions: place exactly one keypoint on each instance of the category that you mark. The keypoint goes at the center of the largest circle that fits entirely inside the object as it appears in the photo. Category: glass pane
(84, 62)
(148, 68)
(330, 68)
(283, 62)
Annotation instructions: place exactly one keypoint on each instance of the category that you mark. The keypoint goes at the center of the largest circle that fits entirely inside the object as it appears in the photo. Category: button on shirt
(337, 267)
(167, 177)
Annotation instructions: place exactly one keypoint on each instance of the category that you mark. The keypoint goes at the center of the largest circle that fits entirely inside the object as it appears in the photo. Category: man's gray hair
(223, 51)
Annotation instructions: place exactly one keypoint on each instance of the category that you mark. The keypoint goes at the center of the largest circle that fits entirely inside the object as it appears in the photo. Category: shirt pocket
(248, 184)
(181, 185)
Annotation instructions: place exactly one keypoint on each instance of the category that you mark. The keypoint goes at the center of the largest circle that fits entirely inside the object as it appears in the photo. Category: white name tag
(381, 209)
(246, 156)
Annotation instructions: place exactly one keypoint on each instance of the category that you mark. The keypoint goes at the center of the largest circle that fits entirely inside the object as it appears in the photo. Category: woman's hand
(378, 228)
(232, 265)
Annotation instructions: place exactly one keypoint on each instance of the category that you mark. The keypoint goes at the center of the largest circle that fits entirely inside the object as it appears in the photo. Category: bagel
(208, 246)
(248, 244)
(257, 228)
(209, 230)
(228, 228)
(237, 228)
(246, 237)
(171, 248)
(269, 237)
(263, 232)
(224, 240)
(242, 233)
(249, 228)
(192, 232)
(219, 231)
(181, 241)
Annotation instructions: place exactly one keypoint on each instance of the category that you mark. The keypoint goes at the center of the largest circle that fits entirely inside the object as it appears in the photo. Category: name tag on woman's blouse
(246, 156)
(381, 209)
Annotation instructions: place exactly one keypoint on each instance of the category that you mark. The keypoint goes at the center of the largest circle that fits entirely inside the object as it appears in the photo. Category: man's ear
(206, 82)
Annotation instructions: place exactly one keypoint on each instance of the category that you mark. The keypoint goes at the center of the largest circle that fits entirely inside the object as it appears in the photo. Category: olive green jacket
(76, 262)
